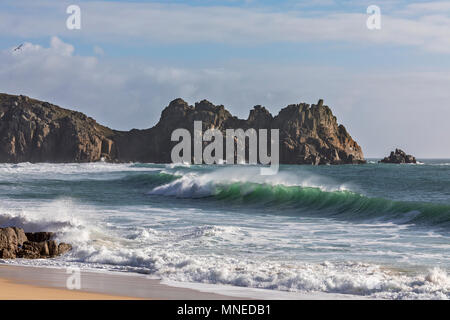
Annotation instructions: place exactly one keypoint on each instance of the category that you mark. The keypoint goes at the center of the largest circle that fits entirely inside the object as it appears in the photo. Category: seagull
(19, 47)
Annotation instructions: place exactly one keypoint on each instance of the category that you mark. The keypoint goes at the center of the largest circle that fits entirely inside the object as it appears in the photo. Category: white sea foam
(217, 247)
(51, 170)
(54, 216)
(175, 165)
(336, 278)
(165, 256)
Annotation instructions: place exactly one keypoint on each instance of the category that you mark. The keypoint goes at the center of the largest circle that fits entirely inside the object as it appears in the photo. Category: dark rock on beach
(399, 156)
(15, 243)
(36, 131)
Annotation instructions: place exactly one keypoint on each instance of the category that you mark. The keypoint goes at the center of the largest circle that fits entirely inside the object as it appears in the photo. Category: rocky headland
(37, 131)
(399, 156)
(15, 243)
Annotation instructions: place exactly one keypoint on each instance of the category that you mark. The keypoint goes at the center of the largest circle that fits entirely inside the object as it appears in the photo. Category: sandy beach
(13, 291)
(42, 283)
(34, 283)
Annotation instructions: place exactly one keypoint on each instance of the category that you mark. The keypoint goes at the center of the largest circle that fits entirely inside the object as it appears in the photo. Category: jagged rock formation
(399, 156)
(15, 243)
(35, 131)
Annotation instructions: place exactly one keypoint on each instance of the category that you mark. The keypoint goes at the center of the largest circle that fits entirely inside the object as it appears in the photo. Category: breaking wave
(307, 197)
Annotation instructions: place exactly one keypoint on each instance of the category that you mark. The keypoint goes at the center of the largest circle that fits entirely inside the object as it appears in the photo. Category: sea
(371, 231)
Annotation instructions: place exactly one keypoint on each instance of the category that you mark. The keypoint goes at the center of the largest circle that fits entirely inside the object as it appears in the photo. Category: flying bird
(19, 47)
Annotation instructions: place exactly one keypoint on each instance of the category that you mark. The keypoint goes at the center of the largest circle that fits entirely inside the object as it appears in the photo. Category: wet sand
(36, 283)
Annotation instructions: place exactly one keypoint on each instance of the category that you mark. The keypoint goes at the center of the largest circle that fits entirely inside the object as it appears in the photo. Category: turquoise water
(375, 230)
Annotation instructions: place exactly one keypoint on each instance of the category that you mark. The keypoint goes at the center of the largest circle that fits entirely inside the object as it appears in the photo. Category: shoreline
(22, 282)
(45, 283)
(11, 290)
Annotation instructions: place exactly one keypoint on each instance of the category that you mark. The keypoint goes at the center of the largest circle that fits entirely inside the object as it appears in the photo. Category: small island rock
(399, 156)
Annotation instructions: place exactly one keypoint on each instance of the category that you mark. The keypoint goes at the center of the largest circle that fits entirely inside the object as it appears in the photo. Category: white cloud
(60, 47)
(433, 6)
(168, 23)
(99, 51)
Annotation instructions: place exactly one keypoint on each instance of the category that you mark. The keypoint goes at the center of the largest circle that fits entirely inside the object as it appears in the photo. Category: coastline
(10, 290)
(18, 282)
(43, 283)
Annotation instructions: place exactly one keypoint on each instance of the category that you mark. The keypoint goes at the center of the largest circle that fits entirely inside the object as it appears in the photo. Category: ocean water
(373, 230)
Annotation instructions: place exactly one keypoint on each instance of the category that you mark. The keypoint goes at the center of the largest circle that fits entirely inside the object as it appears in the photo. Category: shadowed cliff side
(36, 131)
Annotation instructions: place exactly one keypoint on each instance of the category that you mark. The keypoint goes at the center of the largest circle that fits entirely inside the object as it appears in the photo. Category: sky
(390, 87)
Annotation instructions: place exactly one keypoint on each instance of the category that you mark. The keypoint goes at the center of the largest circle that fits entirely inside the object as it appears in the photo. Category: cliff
(36, 131)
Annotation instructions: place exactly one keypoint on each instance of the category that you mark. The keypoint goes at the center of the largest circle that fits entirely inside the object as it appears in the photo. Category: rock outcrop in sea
(36, 131)
(15, 243)
(399, 156)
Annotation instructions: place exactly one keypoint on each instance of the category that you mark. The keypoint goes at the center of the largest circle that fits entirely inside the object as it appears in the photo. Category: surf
(303, 198)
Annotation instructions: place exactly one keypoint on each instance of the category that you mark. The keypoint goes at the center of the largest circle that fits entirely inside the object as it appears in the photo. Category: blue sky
(389, 87)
